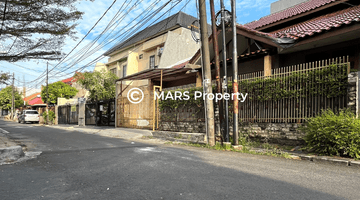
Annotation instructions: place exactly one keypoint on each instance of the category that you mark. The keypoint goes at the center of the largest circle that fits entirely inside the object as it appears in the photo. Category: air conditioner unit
(161, 50)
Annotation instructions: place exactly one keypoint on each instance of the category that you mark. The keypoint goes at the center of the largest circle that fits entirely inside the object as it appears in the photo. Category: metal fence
(68, 114)
(90, 114)
(294, 93)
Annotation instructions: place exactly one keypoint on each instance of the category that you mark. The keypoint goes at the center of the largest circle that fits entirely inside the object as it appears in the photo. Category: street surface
(75, 165)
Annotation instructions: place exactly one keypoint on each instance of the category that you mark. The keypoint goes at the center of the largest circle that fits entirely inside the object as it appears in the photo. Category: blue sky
(247, 11)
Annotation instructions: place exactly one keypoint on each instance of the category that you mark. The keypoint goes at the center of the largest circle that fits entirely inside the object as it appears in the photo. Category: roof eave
(142, 41)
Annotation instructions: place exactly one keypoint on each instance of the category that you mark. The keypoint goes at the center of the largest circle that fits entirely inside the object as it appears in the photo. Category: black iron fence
(68, 114)
(101, 113)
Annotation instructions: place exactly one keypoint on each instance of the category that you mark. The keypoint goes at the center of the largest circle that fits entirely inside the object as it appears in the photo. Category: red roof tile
(290, 12)
(320, 24)
(35, 101)
(182, 65)
(31, 97)
(68, 80)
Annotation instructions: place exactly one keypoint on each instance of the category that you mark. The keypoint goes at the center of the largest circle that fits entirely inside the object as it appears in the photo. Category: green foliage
(58, 89)
(174, 104)
(51, 116)
(330, 82)
(6, 96)
(99, 84)
(333, 134)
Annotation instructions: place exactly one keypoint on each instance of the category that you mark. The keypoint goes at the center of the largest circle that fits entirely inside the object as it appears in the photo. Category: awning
(156, 73)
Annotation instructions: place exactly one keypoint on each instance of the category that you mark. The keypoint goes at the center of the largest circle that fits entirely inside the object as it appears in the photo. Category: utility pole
(235, 75)
(12, 97)
(217, 62)
(47, 92)
(225, 83)
(24, 88)
(207, 73)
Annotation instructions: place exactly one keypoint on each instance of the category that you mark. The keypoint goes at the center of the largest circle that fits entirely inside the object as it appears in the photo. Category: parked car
(29, 116)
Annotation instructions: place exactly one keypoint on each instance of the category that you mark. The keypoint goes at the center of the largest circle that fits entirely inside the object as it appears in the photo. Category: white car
(29, 116)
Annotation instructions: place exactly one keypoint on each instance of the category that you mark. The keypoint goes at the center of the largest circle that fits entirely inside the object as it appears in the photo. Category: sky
(246, 11)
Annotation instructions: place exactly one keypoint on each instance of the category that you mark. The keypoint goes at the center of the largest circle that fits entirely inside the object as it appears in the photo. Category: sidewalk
(124, 133)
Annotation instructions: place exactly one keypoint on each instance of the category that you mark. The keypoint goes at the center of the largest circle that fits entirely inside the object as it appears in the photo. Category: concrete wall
(99, 67)
(353, 92)
(64, 101)
(179, 46)
(358, 95)
(284, 4)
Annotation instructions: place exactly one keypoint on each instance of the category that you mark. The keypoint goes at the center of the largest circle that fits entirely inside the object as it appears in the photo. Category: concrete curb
(11, 154)
(179, 136)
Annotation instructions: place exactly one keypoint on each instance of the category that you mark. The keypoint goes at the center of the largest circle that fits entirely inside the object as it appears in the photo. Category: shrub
(51, 116)
(333, 134)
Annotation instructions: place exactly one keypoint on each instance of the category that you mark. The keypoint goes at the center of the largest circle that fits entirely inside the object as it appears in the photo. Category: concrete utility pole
(24, 88)
(47, 92)
(207, 73)
(217, 61)
(225, 84)
(235, 75)
(12, 97)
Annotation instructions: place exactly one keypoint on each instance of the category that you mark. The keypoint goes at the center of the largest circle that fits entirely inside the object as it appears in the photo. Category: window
(141, 56)
(113, 71)
(32, 112)
(152, 61)
(124, 70)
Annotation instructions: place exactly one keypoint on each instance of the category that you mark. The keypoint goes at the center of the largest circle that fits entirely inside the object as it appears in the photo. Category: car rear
(31, 116)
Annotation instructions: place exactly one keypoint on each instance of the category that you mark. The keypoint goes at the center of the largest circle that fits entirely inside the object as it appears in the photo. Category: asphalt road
(74, 165)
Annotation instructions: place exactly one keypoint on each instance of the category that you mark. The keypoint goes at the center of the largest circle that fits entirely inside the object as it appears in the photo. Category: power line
(85, 35)
(101, 45)
(98, 58)
(81, 58)
(88, 53)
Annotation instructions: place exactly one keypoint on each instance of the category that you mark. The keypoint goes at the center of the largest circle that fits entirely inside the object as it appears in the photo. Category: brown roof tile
(320, 24)
(290, 12)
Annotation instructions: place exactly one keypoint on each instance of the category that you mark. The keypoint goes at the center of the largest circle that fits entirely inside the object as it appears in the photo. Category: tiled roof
(31, 97)
(182, 65)
(180, 18)
(290, 12)
(320, 24)
(68, 80)
(35, 101)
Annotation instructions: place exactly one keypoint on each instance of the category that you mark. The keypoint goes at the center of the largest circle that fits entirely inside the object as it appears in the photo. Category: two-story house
(166, 44)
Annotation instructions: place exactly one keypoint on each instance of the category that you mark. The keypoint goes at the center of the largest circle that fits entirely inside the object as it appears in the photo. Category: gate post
(81, 116)
(56, 115)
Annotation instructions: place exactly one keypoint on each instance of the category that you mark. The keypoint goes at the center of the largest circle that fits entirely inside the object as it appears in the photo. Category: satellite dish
(227, 18)
(195, 30)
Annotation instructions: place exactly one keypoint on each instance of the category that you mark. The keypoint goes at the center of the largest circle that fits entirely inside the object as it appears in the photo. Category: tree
(6, 96)
(58, 89)
(36, 29)
(4, 77)
(101, 85)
